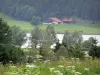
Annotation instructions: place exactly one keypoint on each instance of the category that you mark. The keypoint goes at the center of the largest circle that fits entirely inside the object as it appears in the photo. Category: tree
(50, 30)
(18, 35)
(29, 13)
(8, 51)
(5, 33)
(72, 42)
(84, 9)
(67, 41)
(72, 39)
(35, 20)
(36, 36)
(86, 45)
(94, 49)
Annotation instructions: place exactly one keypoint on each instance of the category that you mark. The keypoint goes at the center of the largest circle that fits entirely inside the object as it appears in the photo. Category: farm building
(67, 20)
(53, 20)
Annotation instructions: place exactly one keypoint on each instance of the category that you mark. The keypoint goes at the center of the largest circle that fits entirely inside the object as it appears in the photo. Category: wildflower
(57, 71)
(78, 73)
(72, 58)
(73, 71)
(51, 69)
(61, 66)
(31, 66)
(60, 73)
(46, 61)
(38, 56)
(68, 66)
(86, 69)
(73, 67)
(34, 61)
(13, 66)
(77, 59)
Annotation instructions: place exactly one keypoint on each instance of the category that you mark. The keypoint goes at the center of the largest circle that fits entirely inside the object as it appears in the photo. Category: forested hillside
(26, 9)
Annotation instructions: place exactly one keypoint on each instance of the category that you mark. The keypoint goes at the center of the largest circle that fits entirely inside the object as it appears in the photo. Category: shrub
(10, 53)
(76, 53)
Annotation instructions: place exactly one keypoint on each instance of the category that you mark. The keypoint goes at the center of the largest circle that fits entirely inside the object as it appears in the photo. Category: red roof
(55, 19)
(67, 19)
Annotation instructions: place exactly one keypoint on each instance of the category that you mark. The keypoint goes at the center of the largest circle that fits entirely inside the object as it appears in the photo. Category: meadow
(86, 26)
(73, 66)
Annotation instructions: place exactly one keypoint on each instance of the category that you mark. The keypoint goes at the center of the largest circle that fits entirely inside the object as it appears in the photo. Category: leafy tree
(72, 39)
(94, 49)
(35, 20)
(72, 42)
(8, 51)
(50, 30)
(5, 33)
(36, 36)
(29, 13)
(86, 45)
(67, 41)
(18, 35)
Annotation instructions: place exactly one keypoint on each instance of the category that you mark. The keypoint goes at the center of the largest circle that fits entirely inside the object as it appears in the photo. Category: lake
(85, 37)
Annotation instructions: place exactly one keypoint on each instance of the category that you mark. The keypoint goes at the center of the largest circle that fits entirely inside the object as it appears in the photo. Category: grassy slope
(22, 24)
(86, 26)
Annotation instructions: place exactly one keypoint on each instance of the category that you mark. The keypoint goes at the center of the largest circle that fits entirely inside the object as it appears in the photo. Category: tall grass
(58, 67)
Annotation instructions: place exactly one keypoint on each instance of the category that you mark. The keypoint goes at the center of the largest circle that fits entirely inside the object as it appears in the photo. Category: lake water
(60, 37)
(85, 37)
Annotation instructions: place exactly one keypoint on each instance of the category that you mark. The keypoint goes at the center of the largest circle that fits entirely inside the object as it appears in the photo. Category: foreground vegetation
(67, 58)
(87, 27)
(61, 67)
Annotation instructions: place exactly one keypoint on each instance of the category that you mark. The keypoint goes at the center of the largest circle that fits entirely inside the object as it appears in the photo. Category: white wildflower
(51, 69)
(38, 56)
(72, 58)
(13, 66)
(86, 69)
(78, 73)
(73, 67)
(57, 71)
(73, 71)
(31, 66)
(61, 66)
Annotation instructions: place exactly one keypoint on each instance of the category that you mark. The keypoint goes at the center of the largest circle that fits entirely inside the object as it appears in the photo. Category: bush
(76, 53)
(10, 53)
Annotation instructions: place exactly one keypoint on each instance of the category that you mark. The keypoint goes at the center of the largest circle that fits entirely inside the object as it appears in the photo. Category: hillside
(86, 26)
(26, 9)
(22, 24)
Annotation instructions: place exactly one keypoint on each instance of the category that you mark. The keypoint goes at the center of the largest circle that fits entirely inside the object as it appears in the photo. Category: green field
(86, 26)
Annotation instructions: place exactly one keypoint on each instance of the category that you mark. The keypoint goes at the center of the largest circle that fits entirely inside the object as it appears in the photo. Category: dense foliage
(5, 33)
(18, 35)
(8, 50)
(25, 10)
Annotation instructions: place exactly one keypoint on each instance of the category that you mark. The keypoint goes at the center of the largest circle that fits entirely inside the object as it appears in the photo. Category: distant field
(86, 27)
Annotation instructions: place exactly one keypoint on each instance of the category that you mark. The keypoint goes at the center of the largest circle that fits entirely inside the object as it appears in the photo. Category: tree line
(25, 10)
